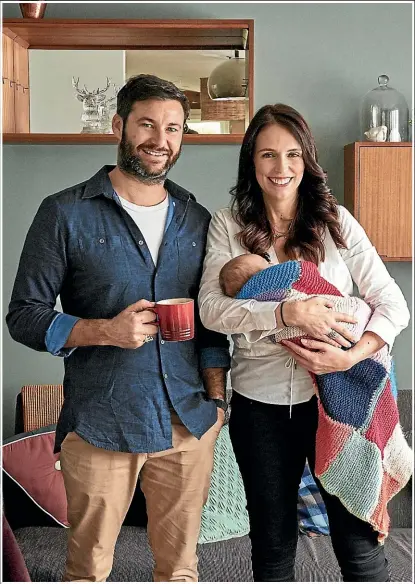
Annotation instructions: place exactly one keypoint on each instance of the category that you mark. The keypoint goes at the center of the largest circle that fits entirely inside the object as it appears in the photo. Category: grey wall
(319, 58)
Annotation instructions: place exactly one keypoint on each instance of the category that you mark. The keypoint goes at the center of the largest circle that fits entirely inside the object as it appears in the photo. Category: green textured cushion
(224, 515)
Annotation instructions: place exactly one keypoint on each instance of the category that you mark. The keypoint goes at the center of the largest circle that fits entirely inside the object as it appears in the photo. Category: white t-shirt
(262, 370)
(151, 221)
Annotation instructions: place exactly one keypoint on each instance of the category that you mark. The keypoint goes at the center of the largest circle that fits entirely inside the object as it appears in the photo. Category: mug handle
(155, 310)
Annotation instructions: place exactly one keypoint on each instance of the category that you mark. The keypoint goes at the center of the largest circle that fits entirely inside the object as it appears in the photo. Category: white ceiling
(183, 68)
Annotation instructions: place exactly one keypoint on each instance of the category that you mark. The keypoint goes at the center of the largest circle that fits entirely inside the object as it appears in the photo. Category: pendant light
(228, 80)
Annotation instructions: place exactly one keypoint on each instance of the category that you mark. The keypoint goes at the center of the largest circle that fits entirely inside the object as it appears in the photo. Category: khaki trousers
(100, 485)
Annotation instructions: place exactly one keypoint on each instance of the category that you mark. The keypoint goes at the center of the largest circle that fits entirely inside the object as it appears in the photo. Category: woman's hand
(316, 319)
(323, 358)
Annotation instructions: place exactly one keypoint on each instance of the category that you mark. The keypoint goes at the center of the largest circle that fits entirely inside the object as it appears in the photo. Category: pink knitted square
(384, 419)
(330, 440)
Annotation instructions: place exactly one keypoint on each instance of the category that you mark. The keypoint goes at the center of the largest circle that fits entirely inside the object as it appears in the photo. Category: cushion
(28, 465)
(14, 566)
(312, 513)
(224, 515)
(29, 462)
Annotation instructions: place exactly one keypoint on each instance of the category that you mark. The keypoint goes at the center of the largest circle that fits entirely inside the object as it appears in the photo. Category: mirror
(74, 91)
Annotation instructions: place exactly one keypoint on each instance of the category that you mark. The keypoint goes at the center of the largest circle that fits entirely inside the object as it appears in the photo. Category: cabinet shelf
(89, 139)
(128, 34)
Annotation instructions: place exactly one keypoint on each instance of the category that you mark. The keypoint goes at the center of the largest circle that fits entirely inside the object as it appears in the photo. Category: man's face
(151, 139)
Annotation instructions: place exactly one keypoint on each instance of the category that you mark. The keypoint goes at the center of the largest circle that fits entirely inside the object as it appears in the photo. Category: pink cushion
(28, 459)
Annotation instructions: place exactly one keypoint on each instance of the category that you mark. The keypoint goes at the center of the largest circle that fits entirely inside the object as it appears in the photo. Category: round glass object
(384, 114)
(227, 81)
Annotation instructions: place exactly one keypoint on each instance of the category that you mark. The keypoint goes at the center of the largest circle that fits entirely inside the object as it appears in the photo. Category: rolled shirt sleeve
(58, 333)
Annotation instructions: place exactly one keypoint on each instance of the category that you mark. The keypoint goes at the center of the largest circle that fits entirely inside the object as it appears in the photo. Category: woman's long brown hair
(316, 206)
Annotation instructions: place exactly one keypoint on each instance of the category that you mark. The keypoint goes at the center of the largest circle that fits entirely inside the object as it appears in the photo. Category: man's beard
(132, 164)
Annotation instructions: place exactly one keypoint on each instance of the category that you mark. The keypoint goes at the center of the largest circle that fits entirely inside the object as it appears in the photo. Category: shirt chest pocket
(103, 259)
(190, 261)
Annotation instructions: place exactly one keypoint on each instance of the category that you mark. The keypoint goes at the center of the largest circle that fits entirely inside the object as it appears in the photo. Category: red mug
(176, 319)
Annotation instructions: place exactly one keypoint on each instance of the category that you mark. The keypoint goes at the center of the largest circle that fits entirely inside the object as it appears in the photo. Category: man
(134, 404)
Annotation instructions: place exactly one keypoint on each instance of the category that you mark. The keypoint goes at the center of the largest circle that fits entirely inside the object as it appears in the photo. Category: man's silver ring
(332, 334)
(148, 339)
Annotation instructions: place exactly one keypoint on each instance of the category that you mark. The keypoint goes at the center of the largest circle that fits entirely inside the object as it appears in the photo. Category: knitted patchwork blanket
(362, 456)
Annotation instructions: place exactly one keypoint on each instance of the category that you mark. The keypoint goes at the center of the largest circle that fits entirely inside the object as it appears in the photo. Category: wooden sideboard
(378, 192)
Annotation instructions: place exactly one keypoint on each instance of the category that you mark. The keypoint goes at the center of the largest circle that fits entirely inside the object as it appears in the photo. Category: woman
(283, 209)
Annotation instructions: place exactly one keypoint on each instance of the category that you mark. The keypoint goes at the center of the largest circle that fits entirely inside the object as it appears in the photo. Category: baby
(235, 276)
(237, 272)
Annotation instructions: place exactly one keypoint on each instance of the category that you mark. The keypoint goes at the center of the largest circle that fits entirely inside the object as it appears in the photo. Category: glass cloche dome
(384, 114)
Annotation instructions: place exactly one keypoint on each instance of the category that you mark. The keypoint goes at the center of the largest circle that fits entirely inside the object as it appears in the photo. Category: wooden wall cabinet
(378, 192)
(20, 35)
(15, 86)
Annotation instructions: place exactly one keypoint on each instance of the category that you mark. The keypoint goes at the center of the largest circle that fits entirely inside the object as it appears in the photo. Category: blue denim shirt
(83, 246)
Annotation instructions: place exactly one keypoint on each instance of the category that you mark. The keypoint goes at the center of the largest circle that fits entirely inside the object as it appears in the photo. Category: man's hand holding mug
(140, 322)
(134, 326)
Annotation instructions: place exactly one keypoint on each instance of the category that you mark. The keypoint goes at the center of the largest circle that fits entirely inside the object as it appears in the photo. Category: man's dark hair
(142, 87)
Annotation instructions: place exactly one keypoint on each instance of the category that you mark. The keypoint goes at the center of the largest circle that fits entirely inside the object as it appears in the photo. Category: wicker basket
(216, 110)
(41, 405)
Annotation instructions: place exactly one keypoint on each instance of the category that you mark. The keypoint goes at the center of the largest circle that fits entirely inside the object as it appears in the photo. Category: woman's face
(279, 164)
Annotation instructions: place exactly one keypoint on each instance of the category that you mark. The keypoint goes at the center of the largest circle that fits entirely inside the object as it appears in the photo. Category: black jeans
(271, 450)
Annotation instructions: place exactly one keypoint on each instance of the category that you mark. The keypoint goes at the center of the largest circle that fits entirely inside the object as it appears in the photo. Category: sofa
(43, 543)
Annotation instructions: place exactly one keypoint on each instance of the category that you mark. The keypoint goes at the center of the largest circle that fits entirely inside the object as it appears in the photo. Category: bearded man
(135, 407)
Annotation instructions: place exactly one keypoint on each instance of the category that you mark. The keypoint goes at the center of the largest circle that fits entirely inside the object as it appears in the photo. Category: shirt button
(194, 243)
(102, 240)
(141, 242)
(162, 342)
(165, 376)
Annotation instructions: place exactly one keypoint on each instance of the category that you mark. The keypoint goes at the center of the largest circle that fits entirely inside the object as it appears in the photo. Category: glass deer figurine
(97, 107)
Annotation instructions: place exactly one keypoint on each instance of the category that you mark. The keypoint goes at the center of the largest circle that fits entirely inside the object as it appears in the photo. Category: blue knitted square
(347, 396)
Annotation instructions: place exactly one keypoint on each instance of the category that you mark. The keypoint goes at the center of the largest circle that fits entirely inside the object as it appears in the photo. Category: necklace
(278, 234)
